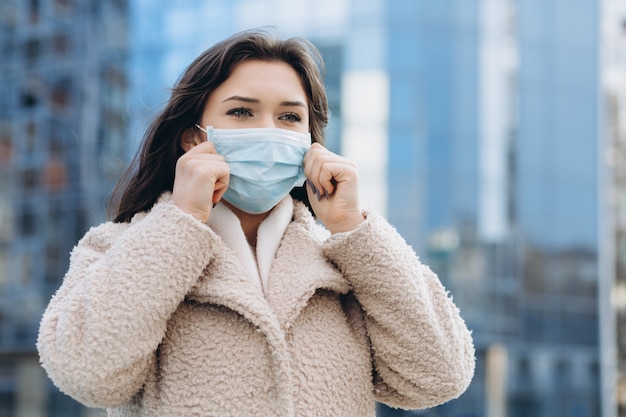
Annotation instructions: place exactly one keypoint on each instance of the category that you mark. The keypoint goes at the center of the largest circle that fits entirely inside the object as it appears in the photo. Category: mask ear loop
(204, 130)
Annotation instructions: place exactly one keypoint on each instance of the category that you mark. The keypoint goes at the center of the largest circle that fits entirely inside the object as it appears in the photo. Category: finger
(199, 162)
(221, 184)
(334, 174)
(315, 150)
(313, 162)
(203, 147)
(326, 170)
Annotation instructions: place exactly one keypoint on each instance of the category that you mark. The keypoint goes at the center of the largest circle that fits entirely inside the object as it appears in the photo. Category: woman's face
(259, 94)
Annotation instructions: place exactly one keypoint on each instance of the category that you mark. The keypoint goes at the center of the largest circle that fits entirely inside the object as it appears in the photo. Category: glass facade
(497, 101)
(63, 86)
(479, 127)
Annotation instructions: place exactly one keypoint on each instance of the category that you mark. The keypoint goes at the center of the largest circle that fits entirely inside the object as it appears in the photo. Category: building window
(32, 50)
(60, 44)
(62, 5)
(34, 11)
(61, 92)
(55, 175)
(28, 99)
(26, 221)
(6, 149)
(29, 179)
(31, 135)
(4, 269)
(562, 375)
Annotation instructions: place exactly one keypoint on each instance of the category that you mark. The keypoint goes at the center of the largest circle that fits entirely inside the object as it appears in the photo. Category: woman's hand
(201, 179)
(332, 188)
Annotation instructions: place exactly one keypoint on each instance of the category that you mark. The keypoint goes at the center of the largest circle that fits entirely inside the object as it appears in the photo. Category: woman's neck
(249, 222)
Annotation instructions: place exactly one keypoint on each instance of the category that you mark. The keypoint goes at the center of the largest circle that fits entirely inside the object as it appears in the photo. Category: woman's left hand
(332, 188)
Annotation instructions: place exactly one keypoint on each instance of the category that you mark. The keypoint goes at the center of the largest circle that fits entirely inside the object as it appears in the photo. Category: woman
(214, 292)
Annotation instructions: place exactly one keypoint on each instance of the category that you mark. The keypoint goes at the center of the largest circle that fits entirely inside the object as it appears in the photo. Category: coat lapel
(225, 282)
(300, 269)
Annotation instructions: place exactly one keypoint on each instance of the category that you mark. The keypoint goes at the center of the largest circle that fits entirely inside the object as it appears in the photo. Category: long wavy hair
(152, 170)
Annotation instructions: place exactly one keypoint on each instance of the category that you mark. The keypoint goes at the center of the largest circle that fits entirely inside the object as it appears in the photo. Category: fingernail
(315, 190)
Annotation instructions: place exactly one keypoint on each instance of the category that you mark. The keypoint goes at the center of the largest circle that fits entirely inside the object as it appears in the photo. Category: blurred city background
(491, 133)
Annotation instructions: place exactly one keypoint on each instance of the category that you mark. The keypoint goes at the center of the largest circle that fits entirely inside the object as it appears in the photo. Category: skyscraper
(493, 166)
(63, 86)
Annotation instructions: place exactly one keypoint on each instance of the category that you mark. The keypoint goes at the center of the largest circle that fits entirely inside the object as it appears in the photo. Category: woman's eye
(240, 112)
(291, 117)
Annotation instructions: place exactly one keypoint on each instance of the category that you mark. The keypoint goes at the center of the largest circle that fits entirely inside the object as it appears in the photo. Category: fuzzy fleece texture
(159, 318)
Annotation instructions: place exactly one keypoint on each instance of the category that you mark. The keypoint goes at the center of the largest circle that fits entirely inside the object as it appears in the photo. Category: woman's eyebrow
(256, 100)
(293, 103)
(241, 98)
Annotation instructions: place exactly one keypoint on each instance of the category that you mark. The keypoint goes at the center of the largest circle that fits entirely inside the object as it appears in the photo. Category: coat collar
(256, 262)
(298, 271)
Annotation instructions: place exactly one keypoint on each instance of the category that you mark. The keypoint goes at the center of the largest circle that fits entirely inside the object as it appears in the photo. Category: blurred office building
(481, 128)
(612, 205)
(63, 86)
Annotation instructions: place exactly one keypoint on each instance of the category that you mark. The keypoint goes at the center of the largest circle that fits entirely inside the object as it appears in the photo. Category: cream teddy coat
(157, 318)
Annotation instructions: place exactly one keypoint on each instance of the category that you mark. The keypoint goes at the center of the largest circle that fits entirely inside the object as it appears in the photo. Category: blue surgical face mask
(265, 164)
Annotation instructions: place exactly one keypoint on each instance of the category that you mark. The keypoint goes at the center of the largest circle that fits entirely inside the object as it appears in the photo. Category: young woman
(216, 292)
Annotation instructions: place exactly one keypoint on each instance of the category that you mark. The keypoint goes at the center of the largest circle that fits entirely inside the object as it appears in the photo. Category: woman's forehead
(257, 79)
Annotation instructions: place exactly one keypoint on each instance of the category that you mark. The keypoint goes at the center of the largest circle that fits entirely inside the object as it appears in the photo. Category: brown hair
(152, 170)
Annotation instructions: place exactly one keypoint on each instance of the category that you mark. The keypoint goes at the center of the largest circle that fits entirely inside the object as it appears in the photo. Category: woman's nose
(267, 121)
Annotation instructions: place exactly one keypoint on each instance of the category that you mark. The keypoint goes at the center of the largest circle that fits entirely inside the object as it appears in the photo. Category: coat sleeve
(99, 334)
(422, 351)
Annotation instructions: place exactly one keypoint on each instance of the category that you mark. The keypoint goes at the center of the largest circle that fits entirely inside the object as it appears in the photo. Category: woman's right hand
(201, 180)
